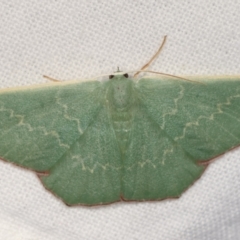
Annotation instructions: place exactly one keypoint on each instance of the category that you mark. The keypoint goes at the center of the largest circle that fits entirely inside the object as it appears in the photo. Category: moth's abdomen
(122, 124)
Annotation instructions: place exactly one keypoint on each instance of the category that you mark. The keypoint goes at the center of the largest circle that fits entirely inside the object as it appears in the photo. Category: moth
(134, 139)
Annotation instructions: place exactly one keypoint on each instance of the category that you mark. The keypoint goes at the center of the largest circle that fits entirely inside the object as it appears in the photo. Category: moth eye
(111, 76)
(125, 75)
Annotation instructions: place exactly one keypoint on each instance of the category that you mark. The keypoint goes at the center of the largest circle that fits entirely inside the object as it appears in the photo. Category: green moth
(99, 142)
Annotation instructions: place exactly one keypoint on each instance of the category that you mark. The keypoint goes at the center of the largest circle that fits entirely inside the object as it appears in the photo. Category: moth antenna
(51, 79)
(170, 75)
(153, 57)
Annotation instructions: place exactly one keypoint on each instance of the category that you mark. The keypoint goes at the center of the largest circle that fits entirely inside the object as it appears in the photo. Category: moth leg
(52, 79)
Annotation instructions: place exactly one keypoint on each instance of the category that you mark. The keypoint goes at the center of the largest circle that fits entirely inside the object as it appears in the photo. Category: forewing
(39, 124)
(89, 173)
(204, 119)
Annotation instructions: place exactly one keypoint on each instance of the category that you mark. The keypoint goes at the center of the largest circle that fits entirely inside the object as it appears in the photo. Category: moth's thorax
(120, 92)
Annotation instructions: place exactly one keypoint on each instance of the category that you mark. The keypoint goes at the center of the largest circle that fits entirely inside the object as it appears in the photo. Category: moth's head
(118, 76)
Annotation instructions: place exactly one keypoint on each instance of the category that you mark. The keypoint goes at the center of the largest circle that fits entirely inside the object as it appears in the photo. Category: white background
(76, 39)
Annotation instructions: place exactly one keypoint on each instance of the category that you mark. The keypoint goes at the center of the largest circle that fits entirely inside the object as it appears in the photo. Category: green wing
(39, 124)
(178, 125)
(89, 173)
(61, 129)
